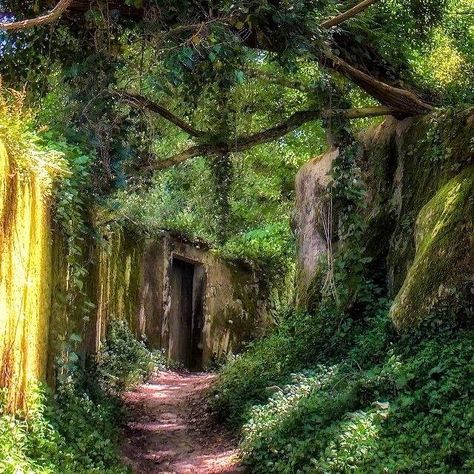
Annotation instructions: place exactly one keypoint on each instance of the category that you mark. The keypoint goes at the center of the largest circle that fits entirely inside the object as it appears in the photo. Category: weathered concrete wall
(233, 308)
(419, 180)
(130, 279)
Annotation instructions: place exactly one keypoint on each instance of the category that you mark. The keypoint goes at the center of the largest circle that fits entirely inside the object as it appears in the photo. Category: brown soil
(170, 431)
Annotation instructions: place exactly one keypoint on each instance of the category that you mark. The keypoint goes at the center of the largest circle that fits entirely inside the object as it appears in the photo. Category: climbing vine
(71, 215)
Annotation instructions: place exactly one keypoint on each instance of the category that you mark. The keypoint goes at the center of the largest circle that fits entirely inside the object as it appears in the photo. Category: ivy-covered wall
(57, 295)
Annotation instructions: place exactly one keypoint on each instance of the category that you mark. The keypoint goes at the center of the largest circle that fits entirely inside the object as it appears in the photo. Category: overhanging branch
(342, 17)
(401, 99)
(243, 143)
(49, 17)
(136, 100)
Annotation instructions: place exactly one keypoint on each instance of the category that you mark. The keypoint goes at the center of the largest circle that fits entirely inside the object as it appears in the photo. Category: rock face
(418, 175)
(311, 183)
(442, 270)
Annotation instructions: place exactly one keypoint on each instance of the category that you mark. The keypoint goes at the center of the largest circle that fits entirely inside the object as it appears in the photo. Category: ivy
(71, 215)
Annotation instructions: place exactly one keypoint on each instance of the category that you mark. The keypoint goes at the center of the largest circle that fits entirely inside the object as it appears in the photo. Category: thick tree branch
(49, 17)
(390, 96)
(246, 142)
(136, 100)
(342, 17)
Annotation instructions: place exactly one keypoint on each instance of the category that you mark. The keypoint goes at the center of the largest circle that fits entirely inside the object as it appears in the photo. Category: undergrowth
(75, 430)
(363, 400)
(336, 389)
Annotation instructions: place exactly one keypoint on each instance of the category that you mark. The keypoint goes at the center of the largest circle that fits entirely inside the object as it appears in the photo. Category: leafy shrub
(124, 361)
(378, 403)
(76, 430)
(300, 341)
(68, 433)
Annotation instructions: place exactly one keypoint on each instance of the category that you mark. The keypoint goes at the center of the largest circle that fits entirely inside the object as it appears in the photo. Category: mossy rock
(440, 276)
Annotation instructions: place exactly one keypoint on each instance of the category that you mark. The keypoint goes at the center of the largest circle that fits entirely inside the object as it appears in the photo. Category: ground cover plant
(194, 116)
(76, 429)
(367, 400)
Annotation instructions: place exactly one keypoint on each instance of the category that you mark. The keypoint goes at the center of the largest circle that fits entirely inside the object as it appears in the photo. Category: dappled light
(169, 431)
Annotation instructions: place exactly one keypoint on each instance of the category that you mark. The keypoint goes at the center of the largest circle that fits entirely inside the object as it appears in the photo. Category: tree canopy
(240, 90)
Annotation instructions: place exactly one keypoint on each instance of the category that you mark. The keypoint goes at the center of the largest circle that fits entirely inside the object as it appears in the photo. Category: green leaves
(350, 410)
(124, 361)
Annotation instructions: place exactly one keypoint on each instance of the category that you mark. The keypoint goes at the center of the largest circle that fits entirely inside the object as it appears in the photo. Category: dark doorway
(186, 314)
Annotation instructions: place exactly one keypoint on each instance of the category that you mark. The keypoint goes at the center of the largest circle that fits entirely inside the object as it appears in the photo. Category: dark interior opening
(186, 315)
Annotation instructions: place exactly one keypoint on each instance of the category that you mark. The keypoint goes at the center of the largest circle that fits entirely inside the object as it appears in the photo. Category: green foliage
(123, 361)
(69, 433)
(363, 400)
(72, 199)
(76, 430)
(271, 246)
(300, 341)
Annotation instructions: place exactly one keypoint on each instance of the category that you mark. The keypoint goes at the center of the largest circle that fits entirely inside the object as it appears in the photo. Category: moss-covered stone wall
(418, 173)
(234, 306)
(127, 277)
(418, 176)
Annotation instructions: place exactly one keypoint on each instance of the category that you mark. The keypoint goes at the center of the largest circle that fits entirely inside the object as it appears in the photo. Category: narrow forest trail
(169, 430)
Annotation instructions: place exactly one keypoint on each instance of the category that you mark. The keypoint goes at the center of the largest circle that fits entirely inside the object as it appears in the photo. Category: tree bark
(342, 17)
(238, 144)
(49, 17)
(136, 100)
(401, 99)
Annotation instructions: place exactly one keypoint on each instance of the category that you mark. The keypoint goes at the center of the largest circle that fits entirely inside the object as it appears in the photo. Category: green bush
(69, 433)
(301, 341)
(76, 430)
(375, 403)
(124, 361)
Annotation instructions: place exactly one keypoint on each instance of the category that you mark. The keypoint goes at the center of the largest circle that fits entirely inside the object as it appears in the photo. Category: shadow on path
(169, 430)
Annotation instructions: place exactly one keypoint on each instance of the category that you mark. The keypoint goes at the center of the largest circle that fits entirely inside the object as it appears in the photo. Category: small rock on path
(169, 430)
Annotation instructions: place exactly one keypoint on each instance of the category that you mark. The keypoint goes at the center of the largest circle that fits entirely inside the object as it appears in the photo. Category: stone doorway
(186, 313)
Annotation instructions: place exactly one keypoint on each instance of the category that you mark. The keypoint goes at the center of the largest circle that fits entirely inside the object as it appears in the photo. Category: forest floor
(168, 429)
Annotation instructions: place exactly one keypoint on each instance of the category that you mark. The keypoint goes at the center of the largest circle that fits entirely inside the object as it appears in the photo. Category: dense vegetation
(76, 429)
(195, 116)
(336, 388)
(327, 393)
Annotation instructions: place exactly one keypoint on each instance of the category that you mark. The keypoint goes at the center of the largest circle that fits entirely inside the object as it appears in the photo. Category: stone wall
(310, 186)
(130, 279)
(25, 277)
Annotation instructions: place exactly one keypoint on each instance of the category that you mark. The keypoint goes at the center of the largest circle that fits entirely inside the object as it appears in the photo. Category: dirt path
(169, 431)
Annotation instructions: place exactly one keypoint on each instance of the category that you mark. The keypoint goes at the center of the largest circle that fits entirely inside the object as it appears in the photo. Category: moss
(438, 277)
(432, 150)
(404, 165)
(25, 277)
(118, 278)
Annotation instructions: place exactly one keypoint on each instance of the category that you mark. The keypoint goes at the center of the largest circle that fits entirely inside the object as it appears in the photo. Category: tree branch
(391, 96)
(342, 17)
(49, 17)
(136, 100)
(246, 142)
